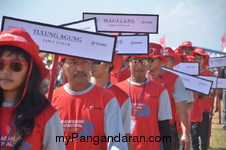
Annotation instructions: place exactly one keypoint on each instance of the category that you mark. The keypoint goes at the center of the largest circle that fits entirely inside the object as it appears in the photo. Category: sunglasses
(142, 61)
(15, 66)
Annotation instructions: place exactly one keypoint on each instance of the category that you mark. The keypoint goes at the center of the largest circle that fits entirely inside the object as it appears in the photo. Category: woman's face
(12, 75)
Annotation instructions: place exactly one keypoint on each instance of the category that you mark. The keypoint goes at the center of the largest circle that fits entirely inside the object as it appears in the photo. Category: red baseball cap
(169, 52)
(156, 51)
(62, 57)
(22, 39)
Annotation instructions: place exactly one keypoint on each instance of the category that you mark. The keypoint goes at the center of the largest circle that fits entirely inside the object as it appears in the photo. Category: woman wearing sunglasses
(27, 121)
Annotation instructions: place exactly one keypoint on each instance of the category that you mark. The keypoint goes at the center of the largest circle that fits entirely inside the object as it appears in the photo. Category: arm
(126, 120)
(113, 124)
(180, 97)
(164, 114)
(190, 101)
(53, 129)
(182, 110)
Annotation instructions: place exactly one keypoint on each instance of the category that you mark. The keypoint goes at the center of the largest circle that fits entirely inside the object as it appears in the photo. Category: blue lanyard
(107, 85)
(9, 133)
(133, 108)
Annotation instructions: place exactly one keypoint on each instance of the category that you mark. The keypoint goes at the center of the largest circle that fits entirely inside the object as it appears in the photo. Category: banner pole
(53, 78)
(218, 97)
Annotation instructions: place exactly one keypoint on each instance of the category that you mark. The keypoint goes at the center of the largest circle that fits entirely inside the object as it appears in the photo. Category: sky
(202, 22)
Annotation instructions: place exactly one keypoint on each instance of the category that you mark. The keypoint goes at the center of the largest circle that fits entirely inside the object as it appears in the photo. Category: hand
(185, 142)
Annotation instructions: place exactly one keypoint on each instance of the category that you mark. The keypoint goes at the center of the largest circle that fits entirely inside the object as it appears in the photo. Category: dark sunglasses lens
(1, 65)
(97, 62)
(16, 66)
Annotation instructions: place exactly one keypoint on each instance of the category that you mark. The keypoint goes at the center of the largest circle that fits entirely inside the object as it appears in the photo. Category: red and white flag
(223, 43)
(162, 41)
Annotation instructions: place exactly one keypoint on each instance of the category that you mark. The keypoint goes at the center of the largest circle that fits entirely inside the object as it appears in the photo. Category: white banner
(193, 83)
(188, 68)
(60, 40)
(85, 25)
(143, 23)
(210, 78)
(217, 62)
(132, 44)
(221, 83)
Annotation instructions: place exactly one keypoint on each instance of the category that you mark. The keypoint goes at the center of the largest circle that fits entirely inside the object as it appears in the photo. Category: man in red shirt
(177, 94)
(89, 113)
(100, 76)
(203, 105)
(150, 105)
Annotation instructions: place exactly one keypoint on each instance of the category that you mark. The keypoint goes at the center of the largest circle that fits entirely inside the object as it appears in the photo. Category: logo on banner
(97, 43)
(134, 42)
(146, 22)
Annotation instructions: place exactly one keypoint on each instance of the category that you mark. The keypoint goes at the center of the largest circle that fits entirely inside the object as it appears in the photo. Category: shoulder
(170, 74)
(157, 86)
(45, 115)
(122, 83)
(102, 93)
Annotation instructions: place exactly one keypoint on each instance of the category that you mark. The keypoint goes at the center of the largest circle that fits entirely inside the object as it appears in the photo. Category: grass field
(218, 136)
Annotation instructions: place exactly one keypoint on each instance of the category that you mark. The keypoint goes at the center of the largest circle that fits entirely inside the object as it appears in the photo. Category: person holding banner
(150, 105)
(201, 127)
(90, 115)
(186, 47)
(100, 76)
(173, 59)
(27, 120)
(177, 94)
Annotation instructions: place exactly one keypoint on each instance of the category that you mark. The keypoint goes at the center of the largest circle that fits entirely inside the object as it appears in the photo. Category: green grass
(218, 136)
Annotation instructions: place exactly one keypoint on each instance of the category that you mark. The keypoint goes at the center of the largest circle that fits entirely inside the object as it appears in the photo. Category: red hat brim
(163, 59)
(176, 57)
(203, 54)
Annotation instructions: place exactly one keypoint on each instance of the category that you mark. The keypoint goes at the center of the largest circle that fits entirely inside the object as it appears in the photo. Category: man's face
(139, 66)
(200, 59)
(156, 63)
(77, 69)
(99, 69)
(169, 62)
(187, 50)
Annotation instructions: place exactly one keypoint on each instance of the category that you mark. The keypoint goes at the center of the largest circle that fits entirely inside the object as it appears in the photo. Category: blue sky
(202, 22)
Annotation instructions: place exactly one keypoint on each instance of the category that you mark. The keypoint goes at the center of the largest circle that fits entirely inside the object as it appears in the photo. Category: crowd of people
(133, 103)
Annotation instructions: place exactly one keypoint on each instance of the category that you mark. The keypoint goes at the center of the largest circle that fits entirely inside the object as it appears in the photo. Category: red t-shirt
(206, 104)
(201, 106)
(34, 141)
(84, 114)
(144, 111)
(168, 80)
